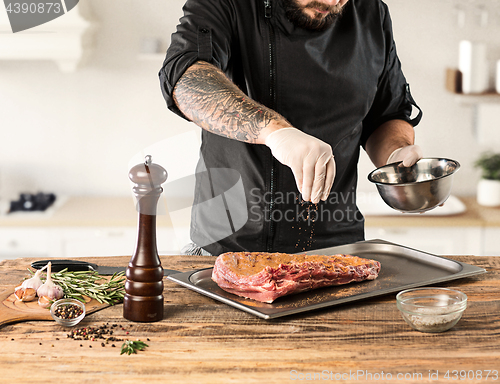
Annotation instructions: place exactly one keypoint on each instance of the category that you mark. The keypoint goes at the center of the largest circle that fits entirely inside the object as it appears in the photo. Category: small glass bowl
(431, 309)
(60, 304)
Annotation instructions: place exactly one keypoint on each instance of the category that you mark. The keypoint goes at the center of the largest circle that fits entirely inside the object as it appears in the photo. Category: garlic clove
(25, 294)
(19, 292)
(29, 294)
(44, 302)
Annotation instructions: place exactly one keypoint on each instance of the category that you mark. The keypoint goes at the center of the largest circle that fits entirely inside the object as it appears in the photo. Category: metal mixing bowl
(418, 188)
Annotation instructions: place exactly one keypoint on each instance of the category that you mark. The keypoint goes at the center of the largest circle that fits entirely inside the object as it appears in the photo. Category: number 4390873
(34, 8)
(481, 374)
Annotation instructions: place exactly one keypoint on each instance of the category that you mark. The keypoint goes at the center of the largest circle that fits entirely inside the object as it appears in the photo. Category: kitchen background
(76, 133)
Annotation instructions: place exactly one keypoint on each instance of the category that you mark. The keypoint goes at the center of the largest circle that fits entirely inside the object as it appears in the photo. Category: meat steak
(266, 276)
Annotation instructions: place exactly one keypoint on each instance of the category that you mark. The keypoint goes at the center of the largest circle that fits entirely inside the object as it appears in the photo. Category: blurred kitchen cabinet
(47, 242)
(435, 240)
(62, 40)
(26, 242)
(491, 241)
(96, 241)
(110, 241)
(70, 242)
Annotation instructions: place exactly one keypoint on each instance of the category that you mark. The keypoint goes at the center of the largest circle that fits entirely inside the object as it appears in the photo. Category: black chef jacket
(338, 85)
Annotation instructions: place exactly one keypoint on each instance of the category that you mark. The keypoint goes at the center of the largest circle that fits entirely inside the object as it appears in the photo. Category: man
(286, 92)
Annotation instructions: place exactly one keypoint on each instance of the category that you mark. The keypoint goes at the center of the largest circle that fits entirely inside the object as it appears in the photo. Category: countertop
(474, 216)
(204, 341)
(120, 211)
(92, 211)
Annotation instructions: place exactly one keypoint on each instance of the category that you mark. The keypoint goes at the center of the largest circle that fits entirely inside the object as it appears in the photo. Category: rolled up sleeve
(204, 33)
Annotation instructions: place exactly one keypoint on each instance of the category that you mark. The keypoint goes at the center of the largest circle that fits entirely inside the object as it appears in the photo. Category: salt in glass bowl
(431, 309)
(64, 302)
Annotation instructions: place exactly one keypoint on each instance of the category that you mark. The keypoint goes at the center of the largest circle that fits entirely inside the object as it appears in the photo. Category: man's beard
(295, 13)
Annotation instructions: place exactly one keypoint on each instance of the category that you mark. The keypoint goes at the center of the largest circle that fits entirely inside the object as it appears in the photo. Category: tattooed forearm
(207, 97)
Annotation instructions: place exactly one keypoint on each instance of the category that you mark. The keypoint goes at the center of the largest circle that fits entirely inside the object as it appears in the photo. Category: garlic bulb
(49, 290)
(27, 290)
(35, 282)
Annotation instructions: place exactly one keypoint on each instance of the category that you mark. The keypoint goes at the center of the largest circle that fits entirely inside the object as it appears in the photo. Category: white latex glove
(310, 159)
(409, 155)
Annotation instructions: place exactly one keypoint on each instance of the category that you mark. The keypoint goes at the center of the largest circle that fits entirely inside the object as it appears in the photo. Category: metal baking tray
(402, 268)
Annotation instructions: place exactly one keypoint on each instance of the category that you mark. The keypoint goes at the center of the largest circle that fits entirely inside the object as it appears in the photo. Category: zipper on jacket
(272, 96)
(267, 9)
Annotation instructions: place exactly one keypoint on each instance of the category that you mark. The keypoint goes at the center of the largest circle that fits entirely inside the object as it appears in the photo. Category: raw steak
(266, 276)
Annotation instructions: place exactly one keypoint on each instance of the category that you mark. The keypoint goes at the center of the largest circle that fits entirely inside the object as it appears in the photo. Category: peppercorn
(68, 311)
(93, 334)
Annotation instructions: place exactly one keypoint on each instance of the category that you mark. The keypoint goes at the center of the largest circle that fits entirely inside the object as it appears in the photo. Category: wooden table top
(202, 340)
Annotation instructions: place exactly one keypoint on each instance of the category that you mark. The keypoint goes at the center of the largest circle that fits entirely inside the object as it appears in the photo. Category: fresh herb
(89, 283)
(130, 347)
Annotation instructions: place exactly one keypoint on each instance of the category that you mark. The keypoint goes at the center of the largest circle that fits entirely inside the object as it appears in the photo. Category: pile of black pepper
(103, 332)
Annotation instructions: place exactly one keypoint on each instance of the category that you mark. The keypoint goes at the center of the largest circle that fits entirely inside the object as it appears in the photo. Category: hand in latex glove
(409, 155)
(310, 159)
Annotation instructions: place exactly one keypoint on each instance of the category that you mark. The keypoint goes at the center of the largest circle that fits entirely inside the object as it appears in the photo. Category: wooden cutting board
(13, 310)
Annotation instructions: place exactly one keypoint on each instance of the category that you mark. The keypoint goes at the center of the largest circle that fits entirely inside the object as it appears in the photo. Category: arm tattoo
(207, 97)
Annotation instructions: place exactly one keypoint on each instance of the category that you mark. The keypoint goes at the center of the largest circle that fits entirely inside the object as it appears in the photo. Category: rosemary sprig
(89, 283)
(130, 347)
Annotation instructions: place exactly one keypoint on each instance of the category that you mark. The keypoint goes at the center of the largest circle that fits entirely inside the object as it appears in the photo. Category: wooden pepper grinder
(143, 301)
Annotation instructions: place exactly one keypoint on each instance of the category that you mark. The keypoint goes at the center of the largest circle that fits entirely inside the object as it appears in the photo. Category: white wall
(74, 134)
(427, 36)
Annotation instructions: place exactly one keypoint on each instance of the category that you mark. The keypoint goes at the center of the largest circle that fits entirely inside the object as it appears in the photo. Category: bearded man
(286, 92)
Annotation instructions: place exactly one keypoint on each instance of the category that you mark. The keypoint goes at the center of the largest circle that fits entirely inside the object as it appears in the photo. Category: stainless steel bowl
(418, 188)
